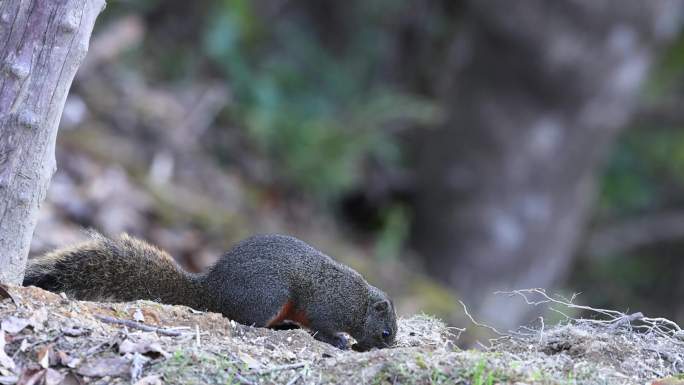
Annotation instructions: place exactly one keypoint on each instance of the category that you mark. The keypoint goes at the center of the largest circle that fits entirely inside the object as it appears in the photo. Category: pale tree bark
(42, 43)
(538, 91)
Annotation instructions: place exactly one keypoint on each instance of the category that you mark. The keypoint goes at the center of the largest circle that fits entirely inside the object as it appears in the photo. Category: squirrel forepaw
(341, 342)
(338, 340)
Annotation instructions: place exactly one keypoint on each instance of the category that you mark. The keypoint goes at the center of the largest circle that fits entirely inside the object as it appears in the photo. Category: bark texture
(42, 43)
(537, 92)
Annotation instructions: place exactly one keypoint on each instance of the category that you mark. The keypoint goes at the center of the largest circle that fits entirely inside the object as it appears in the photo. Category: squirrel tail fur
(115, 269)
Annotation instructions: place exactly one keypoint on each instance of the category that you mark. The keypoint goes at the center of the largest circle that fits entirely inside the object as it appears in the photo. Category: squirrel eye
(385, 333)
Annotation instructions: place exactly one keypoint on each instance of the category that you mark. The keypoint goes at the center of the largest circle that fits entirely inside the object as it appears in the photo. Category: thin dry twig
(242, 379)
(546, 299)
(614, 319)
(138, 325)
(282, 367)
(465, 310)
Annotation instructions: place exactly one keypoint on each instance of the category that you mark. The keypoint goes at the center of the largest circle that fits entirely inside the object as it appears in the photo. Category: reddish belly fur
(289, 313)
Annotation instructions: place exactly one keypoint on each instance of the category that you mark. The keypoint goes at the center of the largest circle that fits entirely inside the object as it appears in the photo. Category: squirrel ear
(381, 306)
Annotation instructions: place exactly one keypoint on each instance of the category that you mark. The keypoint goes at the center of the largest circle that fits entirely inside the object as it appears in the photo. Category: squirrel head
(380, 327)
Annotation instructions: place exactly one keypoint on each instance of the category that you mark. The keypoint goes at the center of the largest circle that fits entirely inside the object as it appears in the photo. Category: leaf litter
(50, 339)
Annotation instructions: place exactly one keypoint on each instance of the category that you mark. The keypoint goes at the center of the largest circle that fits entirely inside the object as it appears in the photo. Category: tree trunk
(537, 92)
(42, 43)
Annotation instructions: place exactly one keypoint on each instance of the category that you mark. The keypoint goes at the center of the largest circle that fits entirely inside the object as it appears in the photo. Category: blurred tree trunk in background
(43, 43)
(535, 92)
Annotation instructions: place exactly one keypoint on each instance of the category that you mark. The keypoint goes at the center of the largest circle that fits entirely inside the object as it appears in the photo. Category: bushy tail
(42, 277)
(113, 269)
(54, 271)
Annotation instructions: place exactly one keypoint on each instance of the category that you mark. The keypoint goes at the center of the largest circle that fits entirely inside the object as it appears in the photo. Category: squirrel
(264, 281)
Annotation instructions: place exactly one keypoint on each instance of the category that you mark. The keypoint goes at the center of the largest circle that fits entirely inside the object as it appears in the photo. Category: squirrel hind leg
(286, 325)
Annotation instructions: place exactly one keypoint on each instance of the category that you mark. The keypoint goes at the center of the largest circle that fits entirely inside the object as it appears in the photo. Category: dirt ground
(49, 339)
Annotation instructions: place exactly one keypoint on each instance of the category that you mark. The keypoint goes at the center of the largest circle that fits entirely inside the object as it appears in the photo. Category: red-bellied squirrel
(264, 280)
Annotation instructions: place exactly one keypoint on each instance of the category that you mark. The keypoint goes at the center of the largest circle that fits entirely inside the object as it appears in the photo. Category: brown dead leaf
(151, 316)
(113, 366)
(5, 360)
(150, 380)
(151, 349)
(43, 356)
(31, 376)
(14, 325)
(64, 359)
(5, 293)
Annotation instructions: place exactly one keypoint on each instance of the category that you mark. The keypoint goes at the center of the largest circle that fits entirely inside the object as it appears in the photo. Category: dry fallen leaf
(114, 367)
(5, 293)
(72, 379)
(43, 356)
(53, 377)
(14, 325)
(65, 359)
(31, 376)
(5, 360)
(149, 348)
(151, 316)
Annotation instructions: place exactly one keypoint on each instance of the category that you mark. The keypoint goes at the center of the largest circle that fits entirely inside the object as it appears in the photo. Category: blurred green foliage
(314, 91)
(668, 76)
(646, 169)
(316, 111)
(644, 175)
(394, 231)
